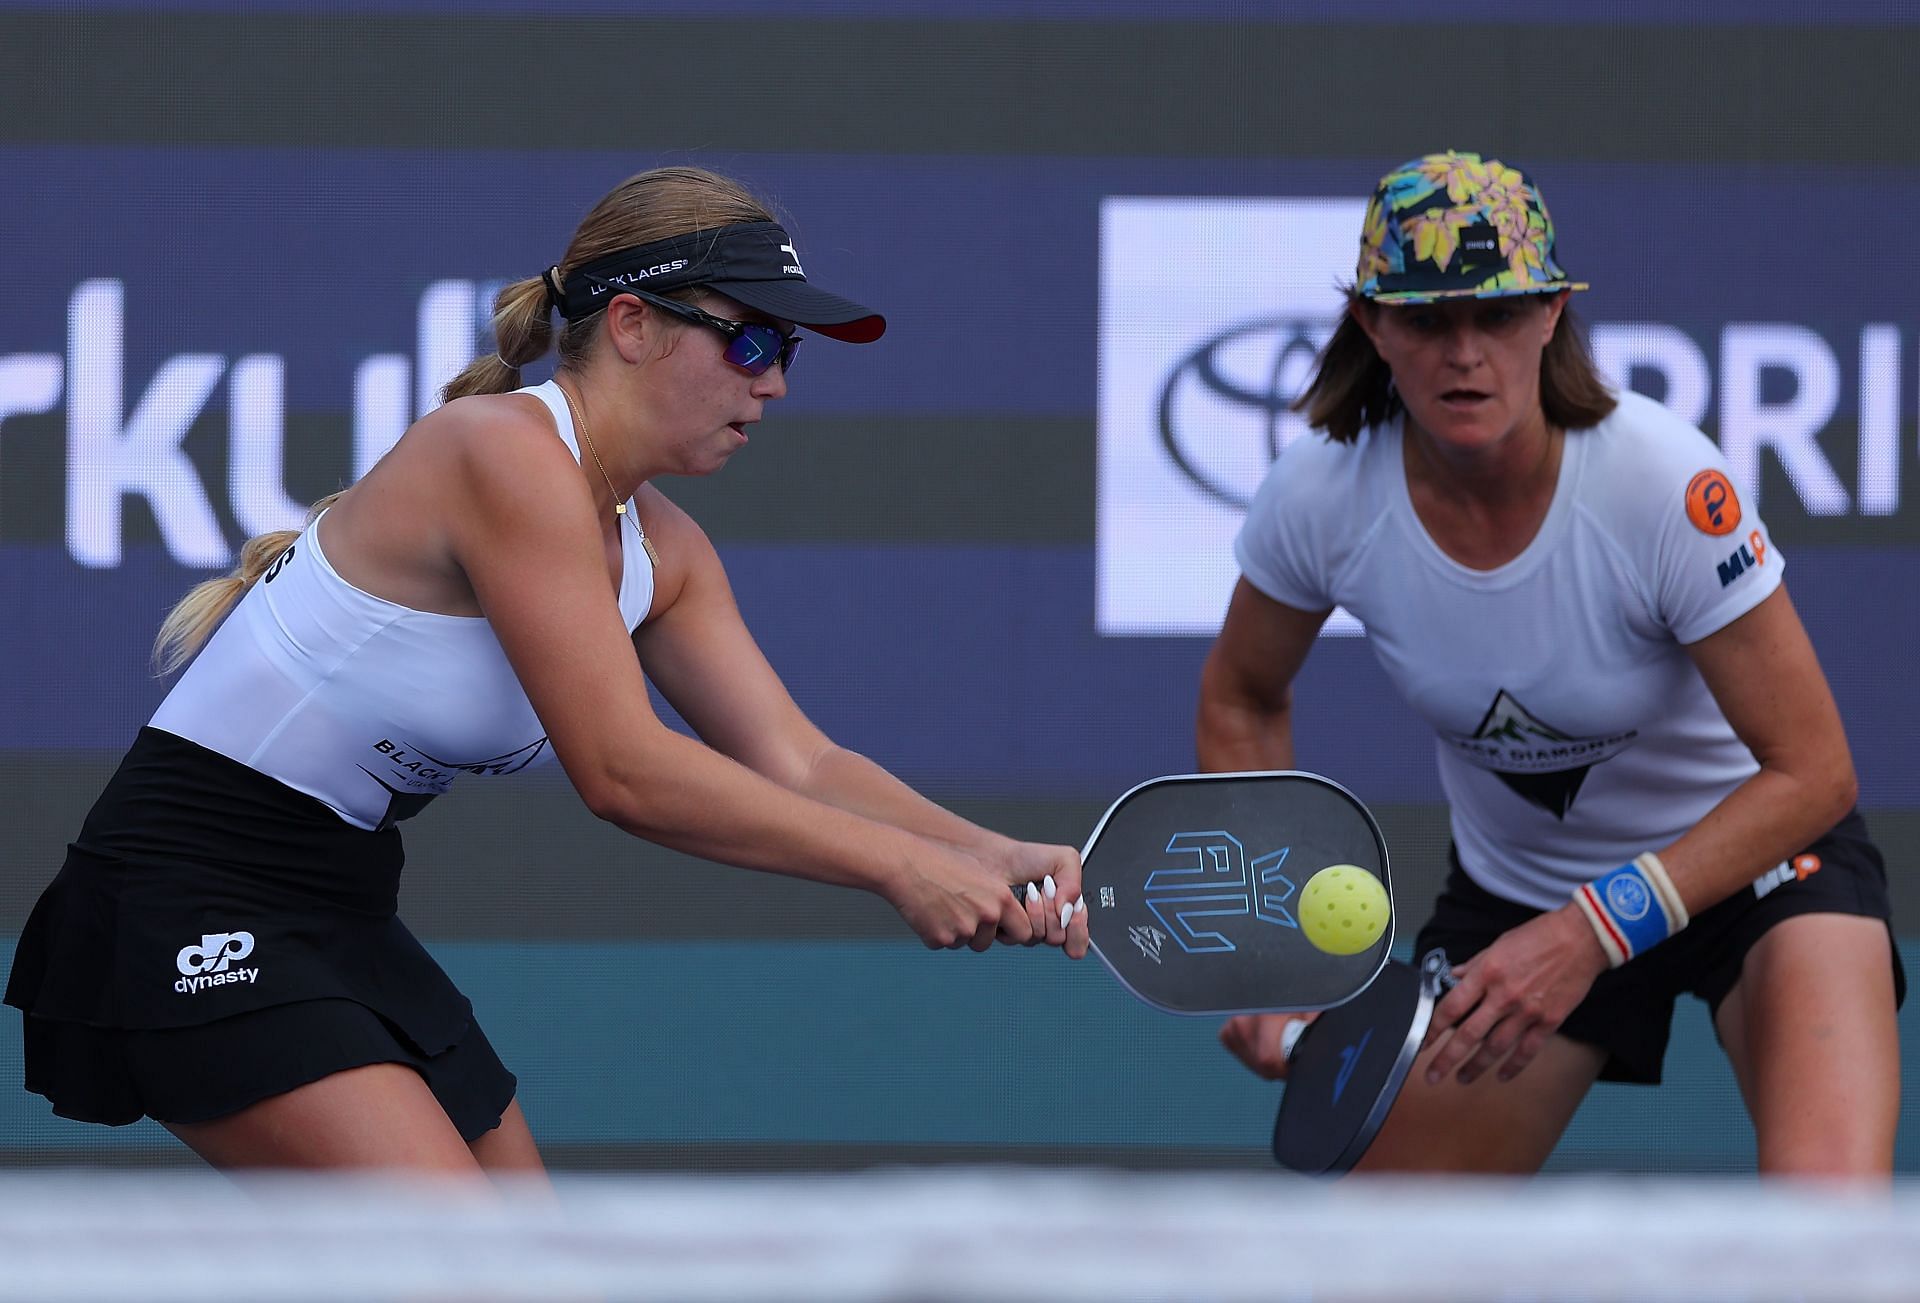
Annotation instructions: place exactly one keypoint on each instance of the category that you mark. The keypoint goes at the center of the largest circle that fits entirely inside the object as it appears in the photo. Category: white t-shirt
(1572, 730)
(368, 706)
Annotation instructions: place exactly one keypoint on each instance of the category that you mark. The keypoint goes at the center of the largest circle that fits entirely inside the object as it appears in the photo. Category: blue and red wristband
(1633, 908)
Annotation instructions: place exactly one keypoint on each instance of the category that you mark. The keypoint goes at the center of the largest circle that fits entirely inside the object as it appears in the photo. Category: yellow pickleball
(1344, 909)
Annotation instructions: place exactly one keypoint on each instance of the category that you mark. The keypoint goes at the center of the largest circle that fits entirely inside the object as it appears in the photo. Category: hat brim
(1403, 297)
(808, 305)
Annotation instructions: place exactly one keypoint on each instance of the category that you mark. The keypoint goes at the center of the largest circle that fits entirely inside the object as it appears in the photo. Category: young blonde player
(221, 952)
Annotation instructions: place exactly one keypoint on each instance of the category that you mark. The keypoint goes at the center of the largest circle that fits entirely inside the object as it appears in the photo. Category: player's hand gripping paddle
(1193, 886)
(1347, 1066)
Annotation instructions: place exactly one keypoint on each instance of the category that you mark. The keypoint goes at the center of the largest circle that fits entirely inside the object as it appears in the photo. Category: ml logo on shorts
(1798, 869)
(211, 962)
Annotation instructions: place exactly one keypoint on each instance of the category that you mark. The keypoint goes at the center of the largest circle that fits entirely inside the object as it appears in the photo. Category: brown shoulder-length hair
(1352, 388)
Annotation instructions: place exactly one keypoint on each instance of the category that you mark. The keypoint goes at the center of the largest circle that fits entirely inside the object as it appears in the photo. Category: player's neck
(1482, 507)
(1521, 467)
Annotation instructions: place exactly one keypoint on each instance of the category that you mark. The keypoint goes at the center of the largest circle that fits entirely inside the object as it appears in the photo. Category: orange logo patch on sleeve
(1712, 505)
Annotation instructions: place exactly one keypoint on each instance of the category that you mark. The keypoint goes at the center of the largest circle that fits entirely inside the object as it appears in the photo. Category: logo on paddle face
(1216, 880)
(1149, 939)
(1349, 1060)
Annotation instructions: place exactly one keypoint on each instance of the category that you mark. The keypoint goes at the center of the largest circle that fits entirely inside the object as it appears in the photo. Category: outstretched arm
(699, 653)
(522, 526)
(851, 781)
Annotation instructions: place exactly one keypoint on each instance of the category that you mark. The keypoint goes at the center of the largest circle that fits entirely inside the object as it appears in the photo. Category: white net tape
(961, 1234)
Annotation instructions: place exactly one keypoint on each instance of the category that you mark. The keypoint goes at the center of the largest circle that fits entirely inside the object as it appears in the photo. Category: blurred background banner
(248, 243)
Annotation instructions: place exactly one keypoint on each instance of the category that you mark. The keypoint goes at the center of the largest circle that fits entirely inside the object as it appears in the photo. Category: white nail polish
(1066, 915)
(1033, 893)
(1048, 880)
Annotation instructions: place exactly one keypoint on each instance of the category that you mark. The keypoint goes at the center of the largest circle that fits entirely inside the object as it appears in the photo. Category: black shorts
(1629, 1011)
(215, 938)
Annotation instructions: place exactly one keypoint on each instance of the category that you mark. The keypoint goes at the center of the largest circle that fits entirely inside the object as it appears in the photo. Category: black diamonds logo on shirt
(1543, 764)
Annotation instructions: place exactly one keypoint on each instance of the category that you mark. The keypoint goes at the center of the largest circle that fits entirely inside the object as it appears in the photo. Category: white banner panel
(1211, 312)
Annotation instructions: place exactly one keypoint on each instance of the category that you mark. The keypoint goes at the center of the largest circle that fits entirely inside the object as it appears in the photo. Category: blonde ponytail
(200, 612)
(523, 331)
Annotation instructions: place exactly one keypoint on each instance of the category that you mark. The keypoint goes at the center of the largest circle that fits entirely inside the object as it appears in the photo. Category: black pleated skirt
(214, 938)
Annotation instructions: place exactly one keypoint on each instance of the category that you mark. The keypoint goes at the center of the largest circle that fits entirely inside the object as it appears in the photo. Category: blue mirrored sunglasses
(751, 346)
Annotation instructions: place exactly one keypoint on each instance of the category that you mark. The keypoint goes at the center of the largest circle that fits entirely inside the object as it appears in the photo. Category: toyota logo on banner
(1224, 409)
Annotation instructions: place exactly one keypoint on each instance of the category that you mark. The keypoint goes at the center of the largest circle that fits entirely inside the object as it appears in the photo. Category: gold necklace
(619, 507)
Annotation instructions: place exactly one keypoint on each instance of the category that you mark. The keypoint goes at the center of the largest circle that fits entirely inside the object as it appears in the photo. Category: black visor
(751, 262)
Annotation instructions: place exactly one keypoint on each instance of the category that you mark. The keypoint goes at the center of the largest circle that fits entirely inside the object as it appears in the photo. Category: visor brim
(1402, 297)
(807, 305)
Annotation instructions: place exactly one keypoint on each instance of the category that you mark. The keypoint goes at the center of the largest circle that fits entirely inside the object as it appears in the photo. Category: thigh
(1490, 1126)
(508, 1150)
(378, 1116)
(1812, 1032)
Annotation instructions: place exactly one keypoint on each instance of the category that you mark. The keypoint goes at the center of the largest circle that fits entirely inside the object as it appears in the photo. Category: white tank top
(368, 706)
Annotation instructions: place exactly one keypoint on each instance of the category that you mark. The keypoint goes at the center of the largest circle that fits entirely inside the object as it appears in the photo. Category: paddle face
(1191, 881)
(1346, 1071)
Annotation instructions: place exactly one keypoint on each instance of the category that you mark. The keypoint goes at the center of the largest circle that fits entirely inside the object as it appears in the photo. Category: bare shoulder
(494, 429)
(502, 455)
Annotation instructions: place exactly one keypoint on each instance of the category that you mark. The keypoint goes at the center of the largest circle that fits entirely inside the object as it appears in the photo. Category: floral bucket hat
(1455, 226)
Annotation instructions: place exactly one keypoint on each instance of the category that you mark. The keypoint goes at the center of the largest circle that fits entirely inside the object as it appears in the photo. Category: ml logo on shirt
(1750, 555)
